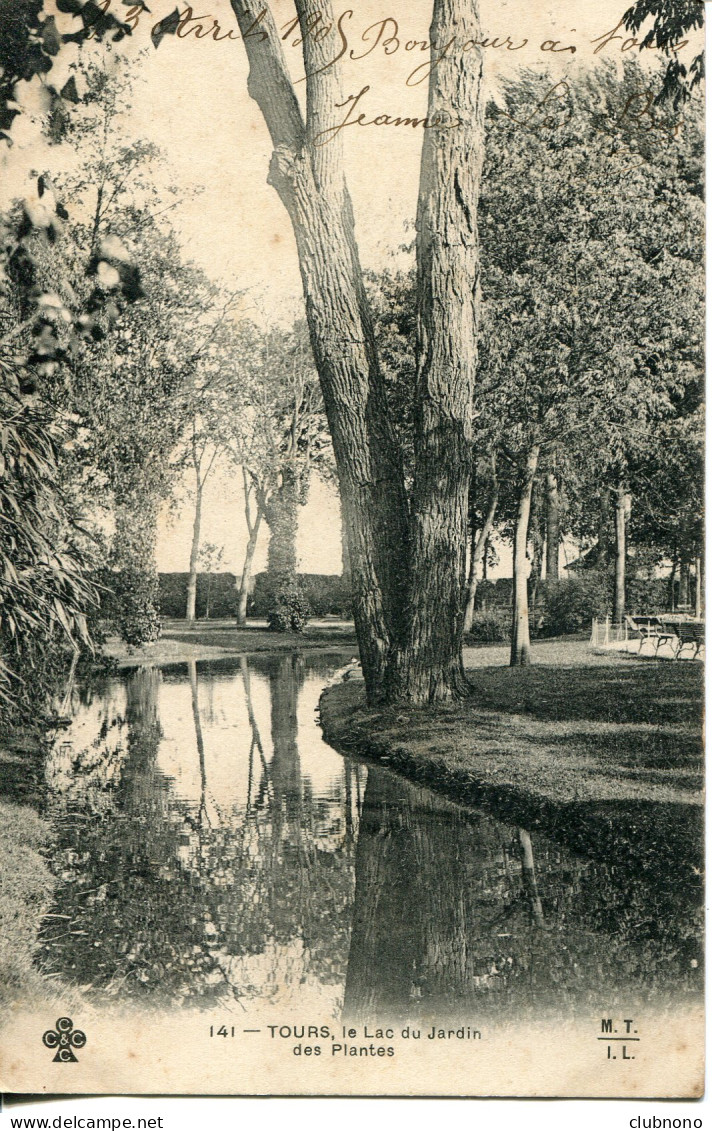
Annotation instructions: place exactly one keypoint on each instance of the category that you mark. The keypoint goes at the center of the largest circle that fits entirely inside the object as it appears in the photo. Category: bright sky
(192, 101)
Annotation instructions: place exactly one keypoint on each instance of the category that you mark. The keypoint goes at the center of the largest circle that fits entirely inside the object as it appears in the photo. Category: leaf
(69, 91)
(167, 26)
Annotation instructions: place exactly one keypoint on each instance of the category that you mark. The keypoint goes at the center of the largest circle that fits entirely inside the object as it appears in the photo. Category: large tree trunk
(281, 515)
(194, 551)
(409, 634)
(307, 172)
(429, 666)
(622, 511)
(553, 527)
(345, 556)
(520, 651)
(478, 545)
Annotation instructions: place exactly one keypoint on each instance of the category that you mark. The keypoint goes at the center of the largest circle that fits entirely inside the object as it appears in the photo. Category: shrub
(489, 627)
(647, 595)
(290, 611)
(570, 605)
(129, 605)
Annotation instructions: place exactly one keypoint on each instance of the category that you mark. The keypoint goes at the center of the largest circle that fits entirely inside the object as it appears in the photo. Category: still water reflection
(212, 847)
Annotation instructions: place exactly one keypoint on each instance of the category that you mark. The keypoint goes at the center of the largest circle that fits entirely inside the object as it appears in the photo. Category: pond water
(211, 847)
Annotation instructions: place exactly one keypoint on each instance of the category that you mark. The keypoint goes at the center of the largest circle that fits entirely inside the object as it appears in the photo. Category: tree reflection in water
(173, 899)
(210, 846)
(459, 916)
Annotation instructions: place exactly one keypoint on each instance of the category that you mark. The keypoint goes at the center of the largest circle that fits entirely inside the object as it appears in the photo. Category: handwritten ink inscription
(386, 37)
(383, 35)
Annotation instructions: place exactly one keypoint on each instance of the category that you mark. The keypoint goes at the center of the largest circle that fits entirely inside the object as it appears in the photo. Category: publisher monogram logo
(64, 1038)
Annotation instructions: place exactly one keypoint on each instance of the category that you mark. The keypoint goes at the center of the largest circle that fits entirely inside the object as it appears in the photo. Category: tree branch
(269, 82)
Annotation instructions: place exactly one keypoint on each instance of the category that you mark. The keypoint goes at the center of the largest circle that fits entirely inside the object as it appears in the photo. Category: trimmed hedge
(324, 594)
(173, 595)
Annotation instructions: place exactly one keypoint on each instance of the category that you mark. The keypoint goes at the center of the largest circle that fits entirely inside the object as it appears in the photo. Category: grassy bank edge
(25, 900)
(650, 833)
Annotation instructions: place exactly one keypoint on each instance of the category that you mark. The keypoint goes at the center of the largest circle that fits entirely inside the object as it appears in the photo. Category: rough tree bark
(307, 172)
(536, 537)
(520, 650)
(478, 544)
(621, 517)
(407, 583)
(553, 527)
(429, 666)
(281, 515)
(345, 558)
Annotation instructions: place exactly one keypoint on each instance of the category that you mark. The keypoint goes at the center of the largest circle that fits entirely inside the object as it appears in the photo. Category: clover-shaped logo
(64, 1038)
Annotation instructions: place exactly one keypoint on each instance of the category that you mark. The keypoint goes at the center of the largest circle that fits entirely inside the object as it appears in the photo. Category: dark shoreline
(653, 834)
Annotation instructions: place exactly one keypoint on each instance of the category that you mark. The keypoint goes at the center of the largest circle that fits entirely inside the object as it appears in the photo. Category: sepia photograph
(352, 580)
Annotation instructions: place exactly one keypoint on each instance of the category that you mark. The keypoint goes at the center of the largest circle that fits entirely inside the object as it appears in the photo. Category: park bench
(652, 628)
(689, 633)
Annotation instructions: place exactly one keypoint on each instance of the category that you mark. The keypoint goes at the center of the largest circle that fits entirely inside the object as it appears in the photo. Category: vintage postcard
(351, 548)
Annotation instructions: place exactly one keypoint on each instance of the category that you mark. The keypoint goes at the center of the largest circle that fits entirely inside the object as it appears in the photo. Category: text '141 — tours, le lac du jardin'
(350, 1041)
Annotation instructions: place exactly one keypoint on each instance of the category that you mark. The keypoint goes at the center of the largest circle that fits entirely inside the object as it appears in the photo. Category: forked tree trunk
(553, 527)
(622, 511)
(306, 170)
(253, 531)
(520, 651)
(246, 576)
(407, 587)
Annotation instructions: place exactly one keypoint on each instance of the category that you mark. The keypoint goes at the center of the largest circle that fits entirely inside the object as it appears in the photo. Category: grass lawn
(205, 640)
(594, 746)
